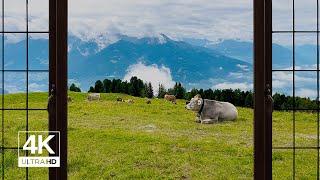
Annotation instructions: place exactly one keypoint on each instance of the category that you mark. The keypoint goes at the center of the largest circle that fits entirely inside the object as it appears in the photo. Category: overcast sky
(209, 19)
(202, 19)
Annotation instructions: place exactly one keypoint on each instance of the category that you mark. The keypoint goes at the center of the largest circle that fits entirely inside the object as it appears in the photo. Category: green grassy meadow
(110, 139)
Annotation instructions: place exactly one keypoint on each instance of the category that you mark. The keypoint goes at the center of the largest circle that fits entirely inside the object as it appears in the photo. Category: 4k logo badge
(36, 150)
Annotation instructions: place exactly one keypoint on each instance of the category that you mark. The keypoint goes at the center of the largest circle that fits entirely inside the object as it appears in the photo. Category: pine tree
(107, 86)
(162, 91)
(192, 93)
(201, 92)
(91, 90)
(208, 94)
(145, 90)
(125, 87)
(149, 92)
(249, 100)
(179, 91)
(116, 86)
(98, 87)
(74, 88)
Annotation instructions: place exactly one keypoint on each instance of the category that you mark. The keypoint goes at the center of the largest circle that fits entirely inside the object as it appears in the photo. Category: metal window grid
(293, 33)
(27, 70)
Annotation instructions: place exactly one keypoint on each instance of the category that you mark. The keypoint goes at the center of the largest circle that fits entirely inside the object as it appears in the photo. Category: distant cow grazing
(148, 101)
(171, 98)
(129, 101)
(93, 97)
(119, 99)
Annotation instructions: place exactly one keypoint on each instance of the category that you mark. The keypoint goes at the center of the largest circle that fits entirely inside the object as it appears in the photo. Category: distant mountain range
(189, 64)
(305, 55)
(194, 62)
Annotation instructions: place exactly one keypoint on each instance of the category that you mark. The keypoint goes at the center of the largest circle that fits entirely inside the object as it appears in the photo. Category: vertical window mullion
(318, 107)
(27, 79)
(2, 118)
(293, 92)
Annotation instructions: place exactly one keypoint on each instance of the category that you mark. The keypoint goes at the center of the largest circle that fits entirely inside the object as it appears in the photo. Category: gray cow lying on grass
(211, 111)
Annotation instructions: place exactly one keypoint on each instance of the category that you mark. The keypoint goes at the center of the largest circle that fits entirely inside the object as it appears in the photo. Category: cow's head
(195, 103)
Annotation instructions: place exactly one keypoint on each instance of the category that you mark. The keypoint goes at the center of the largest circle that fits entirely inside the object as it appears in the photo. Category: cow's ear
(199, 102)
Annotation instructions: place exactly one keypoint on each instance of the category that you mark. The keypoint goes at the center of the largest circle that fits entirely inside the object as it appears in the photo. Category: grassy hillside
(110, 139)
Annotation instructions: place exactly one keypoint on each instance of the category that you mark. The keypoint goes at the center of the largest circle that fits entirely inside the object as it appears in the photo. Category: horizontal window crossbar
(23, 109)
(296, 70)
(275, 32)
(297, 147)
(298, 109)
(11, 148)
(24, 32)
(20, 70)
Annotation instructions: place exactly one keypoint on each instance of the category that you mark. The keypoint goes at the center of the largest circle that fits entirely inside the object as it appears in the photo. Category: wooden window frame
(58, 81)
(262, 89)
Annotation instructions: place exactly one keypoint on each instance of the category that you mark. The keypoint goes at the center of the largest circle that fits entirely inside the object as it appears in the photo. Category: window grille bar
(295, 109)
(287, 32)
(24, 32)
(299, 109)
(294, 92)
(29, 70)
(2, 118)
(21, 109)
(296, 147)
(27, 83)
(318, 86)
(296, 70)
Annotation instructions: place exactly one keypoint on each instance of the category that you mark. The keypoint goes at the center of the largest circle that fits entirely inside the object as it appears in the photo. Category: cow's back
(221, 110)
(228, 111)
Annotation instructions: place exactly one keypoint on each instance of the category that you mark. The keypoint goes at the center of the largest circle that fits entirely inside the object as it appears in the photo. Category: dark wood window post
(58, 81)
(262, 89)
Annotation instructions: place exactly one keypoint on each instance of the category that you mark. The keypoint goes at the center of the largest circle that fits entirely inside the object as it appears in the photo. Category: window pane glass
(38, 15)
(15, 15)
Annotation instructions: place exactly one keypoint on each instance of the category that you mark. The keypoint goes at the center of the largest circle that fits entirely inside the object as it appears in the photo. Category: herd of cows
(97, 96)
(207, 111)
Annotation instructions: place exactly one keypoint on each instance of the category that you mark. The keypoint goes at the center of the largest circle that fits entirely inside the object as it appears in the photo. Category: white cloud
(236, 75)
(305, 83)
(34, 87)
(39, 76)
(74, 81)
(177, 19)
(304, 92)
(209, 19)
(231, 85)
(243, 67)
(285, 79)
(152, 73)
(305, 15)
(113, 61)
(13, 89)
(279, 84)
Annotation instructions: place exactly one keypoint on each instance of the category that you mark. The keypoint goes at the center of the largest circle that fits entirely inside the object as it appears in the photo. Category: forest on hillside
(138, 88)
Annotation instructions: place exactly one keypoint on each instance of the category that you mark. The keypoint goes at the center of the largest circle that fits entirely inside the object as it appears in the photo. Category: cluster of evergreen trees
(74, 88)
(136, 87)
(236, 97)
(283, 102)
